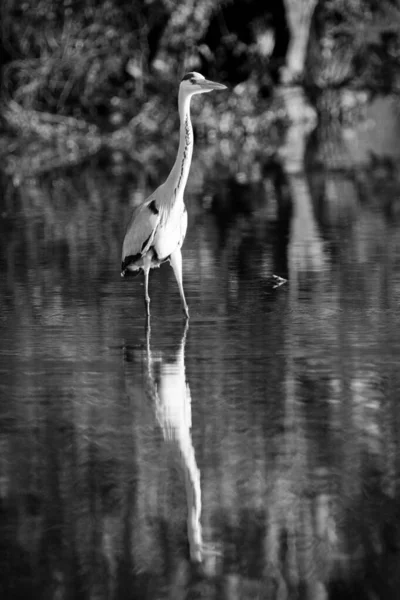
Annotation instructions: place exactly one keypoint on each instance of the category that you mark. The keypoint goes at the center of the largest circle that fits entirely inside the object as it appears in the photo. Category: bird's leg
(176, 264)
(147, 329)
(148, 334)
(146, 290)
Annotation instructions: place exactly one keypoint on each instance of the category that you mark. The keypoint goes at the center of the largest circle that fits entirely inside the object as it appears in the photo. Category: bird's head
(194, 83)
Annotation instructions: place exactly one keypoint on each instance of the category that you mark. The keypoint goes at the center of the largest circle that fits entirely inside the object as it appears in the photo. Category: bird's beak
(211, 85)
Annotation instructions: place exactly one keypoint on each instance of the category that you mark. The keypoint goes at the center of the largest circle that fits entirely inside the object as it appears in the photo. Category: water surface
(252, 453)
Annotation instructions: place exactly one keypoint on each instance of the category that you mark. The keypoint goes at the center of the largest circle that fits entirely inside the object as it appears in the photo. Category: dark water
(252, 454)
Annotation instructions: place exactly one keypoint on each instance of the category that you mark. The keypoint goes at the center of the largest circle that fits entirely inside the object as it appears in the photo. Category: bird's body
(157, 228)
(153, 233)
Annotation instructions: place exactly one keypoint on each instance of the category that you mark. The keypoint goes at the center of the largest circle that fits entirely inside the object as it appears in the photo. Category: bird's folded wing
(141, 229)
(171, 232)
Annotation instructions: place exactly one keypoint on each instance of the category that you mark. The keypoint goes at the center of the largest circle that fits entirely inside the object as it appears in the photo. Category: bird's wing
(171, 232)
(184, 224)
(141, 228)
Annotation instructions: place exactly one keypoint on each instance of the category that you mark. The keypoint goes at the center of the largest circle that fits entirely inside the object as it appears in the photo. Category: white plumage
(157, 228)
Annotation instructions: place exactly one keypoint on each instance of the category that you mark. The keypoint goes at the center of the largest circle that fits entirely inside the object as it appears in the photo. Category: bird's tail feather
(129, 273)
(127, 263)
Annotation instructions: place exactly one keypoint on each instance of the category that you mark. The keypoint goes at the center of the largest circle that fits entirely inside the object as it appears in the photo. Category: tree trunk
(299, 15)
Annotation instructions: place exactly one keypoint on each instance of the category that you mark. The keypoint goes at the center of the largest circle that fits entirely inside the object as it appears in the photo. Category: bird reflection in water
(173, 412)
(165, 385)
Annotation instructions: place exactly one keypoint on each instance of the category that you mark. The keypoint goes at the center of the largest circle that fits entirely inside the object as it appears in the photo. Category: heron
(157, 227)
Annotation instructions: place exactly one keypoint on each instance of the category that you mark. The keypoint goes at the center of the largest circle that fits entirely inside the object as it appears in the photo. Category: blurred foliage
(80, 76)
(355, 43)
(97, 60)
(70, 57)
(100, 60)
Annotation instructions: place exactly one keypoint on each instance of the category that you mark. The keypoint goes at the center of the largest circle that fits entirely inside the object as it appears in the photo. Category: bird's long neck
(177, 179)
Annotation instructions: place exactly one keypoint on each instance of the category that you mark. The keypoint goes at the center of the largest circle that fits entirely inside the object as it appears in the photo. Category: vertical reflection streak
(166, 385)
